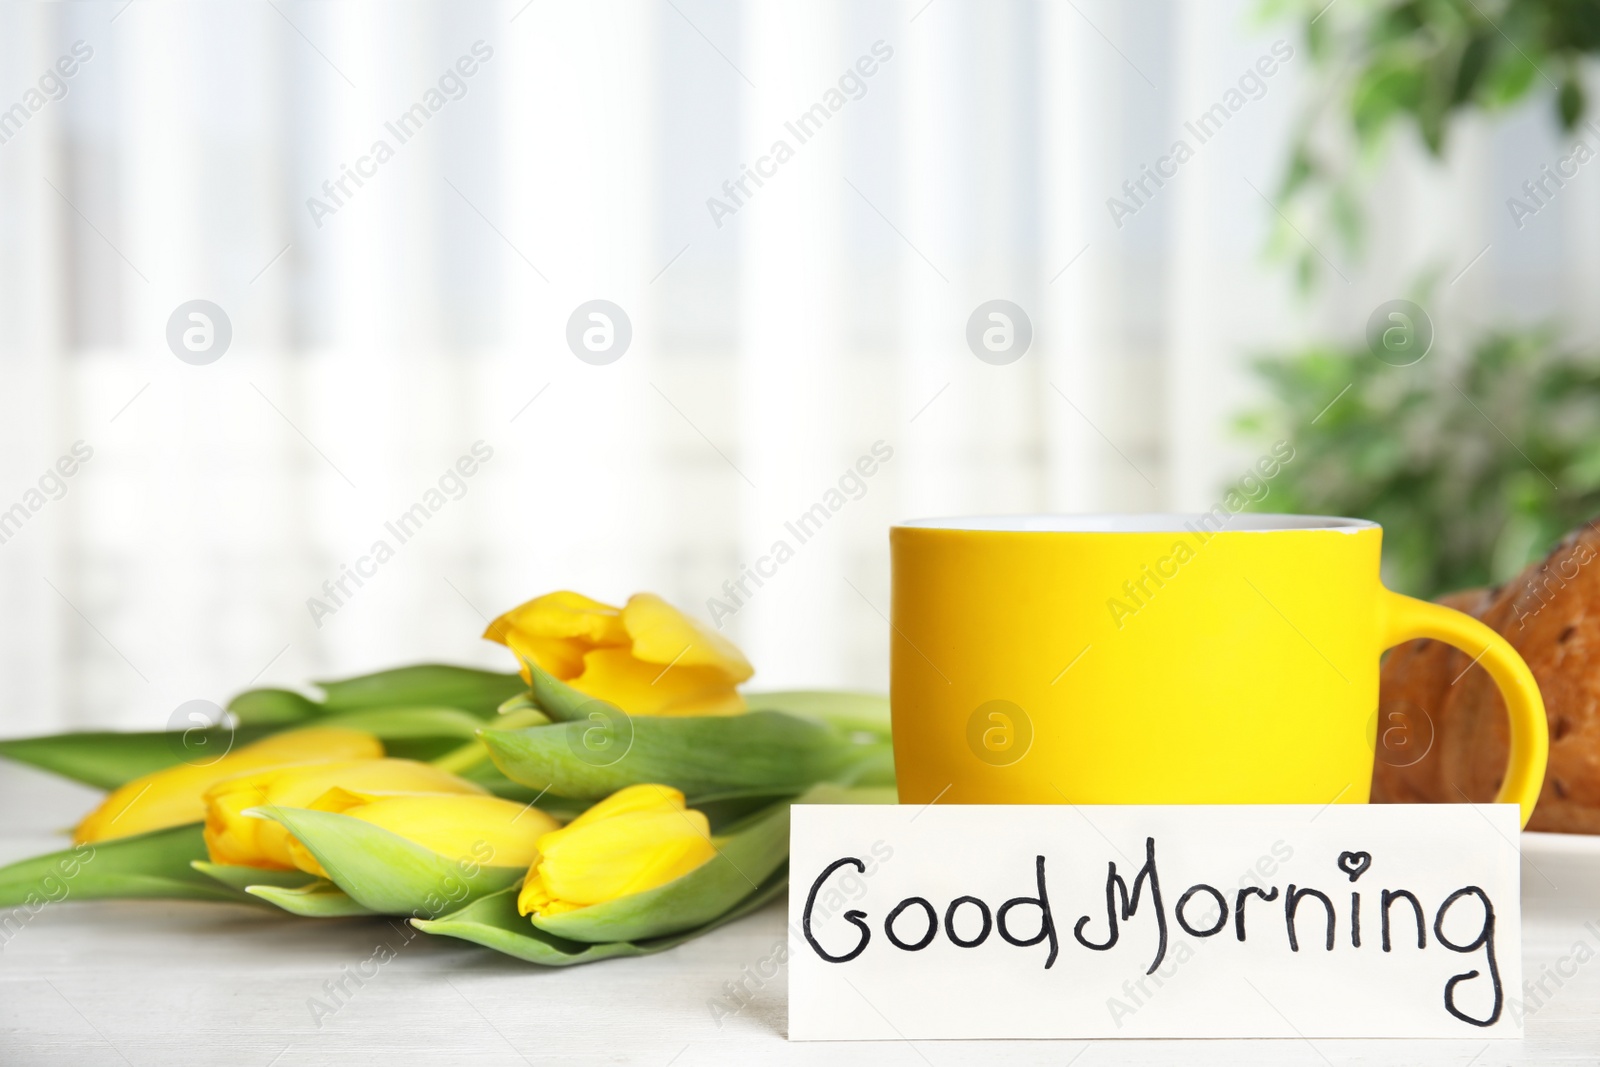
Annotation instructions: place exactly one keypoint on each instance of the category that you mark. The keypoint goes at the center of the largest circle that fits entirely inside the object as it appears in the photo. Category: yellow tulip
(636, 839)
(459, 826)
(175, 796)
(647, 658)
(235, 838)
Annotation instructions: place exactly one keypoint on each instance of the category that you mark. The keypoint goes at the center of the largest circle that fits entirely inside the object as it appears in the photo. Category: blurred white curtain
(1225, 303)
(790, 443)
(39, 402)
(375, 345)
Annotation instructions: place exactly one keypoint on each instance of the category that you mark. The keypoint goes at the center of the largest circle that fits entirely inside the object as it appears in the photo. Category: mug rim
(1138, 522)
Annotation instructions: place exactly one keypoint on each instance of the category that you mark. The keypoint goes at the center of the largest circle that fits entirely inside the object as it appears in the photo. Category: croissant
(1442, 733)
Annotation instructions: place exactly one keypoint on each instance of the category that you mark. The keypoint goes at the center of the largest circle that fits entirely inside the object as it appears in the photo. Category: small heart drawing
(1355, 864)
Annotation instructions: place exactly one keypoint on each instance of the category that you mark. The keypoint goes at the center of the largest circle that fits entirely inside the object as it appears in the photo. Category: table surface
(145, 982)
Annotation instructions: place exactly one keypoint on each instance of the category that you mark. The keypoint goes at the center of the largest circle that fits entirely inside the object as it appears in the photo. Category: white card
(967, 953)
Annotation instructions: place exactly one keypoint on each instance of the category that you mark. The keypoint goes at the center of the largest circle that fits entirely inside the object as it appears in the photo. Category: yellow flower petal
(563, 614)
(640, 688)
(624, 855)
(484, 830)
(310, 742)
(663, 634)
(175, 796)
(648, 658)
(338, 800)
(555, 656)
(234, 838)
(644, 797)
(633, 841)
(556, 629)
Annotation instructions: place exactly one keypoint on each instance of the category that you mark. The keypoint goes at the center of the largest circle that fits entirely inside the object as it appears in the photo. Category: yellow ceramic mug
(1155, 659)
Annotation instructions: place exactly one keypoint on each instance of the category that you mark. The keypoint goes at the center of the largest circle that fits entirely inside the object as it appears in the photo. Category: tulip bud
(647, 658)
(476, 831)
(636, 839)
(175, 796)
(234, 838)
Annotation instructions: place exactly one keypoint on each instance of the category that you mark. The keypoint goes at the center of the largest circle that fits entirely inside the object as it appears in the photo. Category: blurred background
(399, 217)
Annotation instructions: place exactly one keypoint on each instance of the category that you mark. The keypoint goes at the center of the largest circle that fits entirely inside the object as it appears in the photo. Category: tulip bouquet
(618, 796)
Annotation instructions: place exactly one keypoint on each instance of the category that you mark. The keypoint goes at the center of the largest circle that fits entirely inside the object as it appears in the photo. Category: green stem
(469, 755)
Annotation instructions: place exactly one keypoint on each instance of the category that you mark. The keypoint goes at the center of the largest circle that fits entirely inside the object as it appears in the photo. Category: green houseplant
(1478, 457)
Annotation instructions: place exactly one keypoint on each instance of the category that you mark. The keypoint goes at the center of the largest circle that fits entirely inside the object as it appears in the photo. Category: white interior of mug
(1157, 523)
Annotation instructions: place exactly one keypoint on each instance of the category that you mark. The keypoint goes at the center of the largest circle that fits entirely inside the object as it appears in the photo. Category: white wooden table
(155, 983)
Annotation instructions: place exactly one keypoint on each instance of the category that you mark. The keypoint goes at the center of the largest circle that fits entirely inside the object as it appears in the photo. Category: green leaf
(875, 768)
(1382, 91)
(494, 780)
(240, 878)
(743, 861)
(425, 685)
(556, 698)
(384, 872)
(1410, 448)
(475, 691)
(1473, 60)
(404, 722)
(155, 865)
(850, 712)
(107, 760)
(829, 793)
(273, 707)
(1509, 78)
(709, 755)
(493, 922)
(1570, 101)
(293, 891)
(521, 702)
(320, 899)
(726, 814)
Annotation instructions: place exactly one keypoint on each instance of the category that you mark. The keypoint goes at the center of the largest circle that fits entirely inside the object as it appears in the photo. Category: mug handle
(1407, 619)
